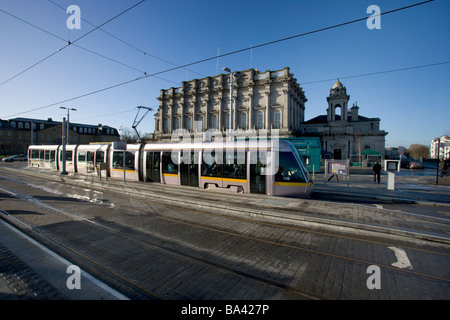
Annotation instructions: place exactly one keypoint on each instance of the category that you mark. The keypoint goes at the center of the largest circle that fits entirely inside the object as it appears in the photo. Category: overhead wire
(69, 43)
(239, 51)
(83, 48)
(126, 42)
(379, 72)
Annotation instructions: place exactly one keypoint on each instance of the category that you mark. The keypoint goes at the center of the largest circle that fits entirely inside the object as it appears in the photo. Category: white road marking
(402, 259)
(379, 206)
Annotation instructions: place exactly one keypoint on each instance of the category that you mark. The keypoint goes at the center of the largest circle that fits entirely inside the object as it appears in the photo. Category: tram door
(153, 162)
(257, 178)
(189, 171)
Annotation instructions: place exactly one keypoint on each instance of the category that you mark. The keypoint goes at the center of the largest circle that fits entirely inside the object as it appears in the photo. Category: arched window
(244, 121)
(259, 120)
(277, 119)
(27, 125)
(214, 121)
(202, 124)
(166, 125)
(41, 126)
(20, 125)
(188, 123)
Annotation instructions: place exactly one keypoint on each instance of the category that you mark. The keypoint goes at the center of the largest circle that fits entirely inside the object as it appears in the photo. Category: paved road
(147, 243)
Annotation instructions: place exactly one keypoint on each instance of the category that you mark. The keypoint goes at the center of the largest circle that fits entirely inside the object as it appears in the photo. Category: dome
(337, 84)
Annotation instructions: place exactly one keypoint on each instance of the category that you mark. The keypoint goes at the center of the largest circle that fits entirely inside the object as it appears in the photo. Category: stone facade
(261, 101)
(19, 133)
(343, 132)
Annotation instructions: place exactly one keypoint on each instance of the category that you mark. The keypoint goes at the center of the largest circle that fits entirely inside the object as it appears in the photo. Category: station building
(261, 101)
(344, 133)
(18, 133)
(269, 100)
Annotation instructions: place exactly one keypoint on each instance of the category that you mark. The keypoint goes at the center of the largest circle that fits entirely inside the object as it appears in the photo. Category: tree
(418, 150)
(130, 136)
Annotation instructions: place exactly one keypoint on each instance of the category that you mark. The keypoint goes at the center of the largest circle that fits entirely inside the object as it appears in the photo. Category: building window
(202, 123)
(226, 125)
(41, 126)
(20, 125)
(244, 121)
(214, 121)
(13, 124)
(89, 130)
(259, 120)
(27, 125)
(277, 119)
(166, 125)
(188, 123)
(177, 123)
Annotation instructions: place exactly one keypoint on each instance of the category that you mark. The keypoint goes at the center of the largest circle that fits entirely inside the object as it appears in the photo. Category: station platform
(354, 205)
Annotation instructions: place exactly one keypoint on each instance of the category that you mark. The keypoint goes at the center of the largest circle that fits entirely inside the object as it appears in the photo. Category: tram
(272, 167)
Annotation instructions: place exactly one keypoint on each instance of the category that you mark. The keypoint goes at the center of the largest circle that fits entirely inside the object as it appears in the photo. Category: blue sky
(412, 104)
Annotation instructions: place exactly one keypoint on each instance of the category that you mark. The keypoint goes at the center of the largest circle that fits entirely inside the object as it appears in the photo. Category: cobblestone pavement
(20, 282)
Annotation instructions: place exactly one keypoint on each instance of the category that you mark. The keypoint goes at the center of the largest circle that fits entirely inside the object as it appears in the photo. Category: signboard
(119, 145)
(391, 165)
(336, 168)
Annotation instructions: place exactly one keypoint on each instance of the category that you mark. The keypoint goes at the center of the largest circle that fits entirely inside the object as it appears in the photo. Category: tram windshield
(289, 169)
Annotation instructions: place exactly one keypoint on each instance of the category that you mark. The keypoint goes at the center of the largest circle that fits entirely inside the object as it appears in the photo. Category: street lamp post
(438, 159)
(231, 103)
(63, 141)
(67, 129)
(65, 138)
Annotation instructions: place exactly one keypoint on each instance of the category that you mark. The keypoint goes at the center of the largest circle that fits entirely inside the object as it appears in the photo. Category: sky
(399, 73)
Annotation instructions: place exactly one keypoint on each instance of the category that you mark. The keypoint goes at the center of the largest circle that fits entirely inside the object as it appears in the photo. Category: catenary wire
(126, 42)
(70, 43)
(227, 54)
(83, 48)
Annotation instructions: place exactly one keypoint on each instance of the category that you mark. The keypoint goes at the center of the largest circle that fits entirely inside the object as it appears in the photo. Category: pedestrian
(376, 172)
(443, 167)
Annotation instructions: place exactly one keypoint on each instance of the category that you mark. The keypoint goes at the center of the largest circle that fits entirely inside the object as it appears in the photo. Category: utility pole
(63, 138)
(438, 159)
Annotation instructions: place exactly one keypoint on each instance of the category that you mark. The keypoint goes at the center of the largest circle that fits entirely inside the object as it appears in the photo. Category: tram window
(90, 161)
(47, 155)
(167, 164)
(99, 157)
(215, 168)
(289, 170)
(34, 154)
(82, 156)
(129, 160)
(69, 157)
(232, 168)
(118, 160)
(52, 155)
